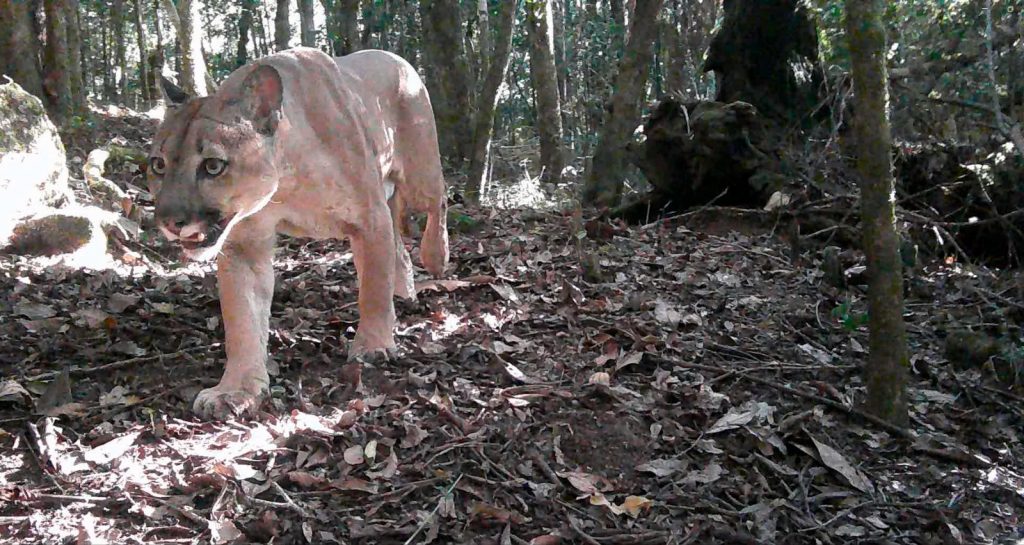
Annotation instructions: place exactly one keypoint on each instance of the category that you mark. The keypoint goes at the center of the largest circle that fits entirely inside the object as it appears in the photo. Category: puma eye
(157, 165)
(214, 167)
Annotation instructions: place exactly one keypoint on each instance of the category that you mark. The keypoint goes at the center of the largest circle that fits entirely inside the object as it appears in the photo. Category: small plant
(851, 320)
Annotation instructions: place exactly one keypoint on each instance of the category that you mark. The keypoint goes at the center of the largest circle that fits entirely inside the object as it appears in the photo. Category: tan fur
(312, 145)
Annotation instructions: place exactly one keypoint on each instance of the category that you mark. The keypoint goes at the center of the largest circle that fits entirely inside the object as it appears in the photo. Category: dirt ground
(636, 385)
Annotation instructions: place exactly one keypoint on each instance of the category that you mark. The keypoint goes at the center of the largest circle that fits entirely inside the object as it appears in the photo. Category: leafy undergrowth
(695, 389)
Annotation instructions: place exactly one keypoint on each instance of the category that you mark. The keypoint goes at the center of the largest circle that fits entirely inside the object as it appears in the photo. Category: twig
(66, 498)
(86, 371)
(433, 513)
(288, 502)
(190, 515)
(543, 465)
(587, 538)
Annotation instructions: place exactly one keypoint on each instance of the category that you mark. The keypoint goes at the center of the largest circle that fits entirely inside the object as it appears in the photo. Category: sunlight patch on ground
(526, 192)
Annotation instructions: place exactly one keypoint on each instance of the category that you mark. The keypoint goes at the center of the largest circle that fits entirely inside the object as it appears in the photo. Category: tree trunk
(108, 77)
(193, 66)
(675, 61)
(607, 170)
(483, 42)
(120, 58)
(561, 68)
(618, 25)
(448, 77)
(545, 87)
(85, 60)
(342, 25)
(282, 28)
(488, 99)
(307, 29)
(245, 19)
(57, 82)
(263, 45)
(762, 55)
(76, 74)
(20, 47)
(888, 360)
(140, 32)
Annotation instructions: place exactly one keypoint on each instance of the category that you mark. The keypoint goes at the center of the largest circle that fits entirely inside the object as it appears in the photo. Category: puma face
(212, 161)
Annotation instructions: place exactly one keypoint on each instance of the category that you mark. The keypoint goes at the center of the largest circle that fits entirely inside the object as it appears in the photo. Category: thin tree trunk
(488, 99)
(245, 19)
(57, 82)
(76, 75)
(108, 77)
(675, 62)
(120, 51)
(348, 18)
(193, 66)
(282, 28)
(607, 171)
(85, 59)
(140, 32)
(888, 359)
(261, 29)
(306, 26)
(483, 43)
(545, 85)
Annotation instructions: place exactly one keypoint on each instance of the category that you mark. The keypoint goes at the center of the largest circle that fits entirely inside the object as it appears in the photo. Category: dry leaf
(835, 461)
(354, 455)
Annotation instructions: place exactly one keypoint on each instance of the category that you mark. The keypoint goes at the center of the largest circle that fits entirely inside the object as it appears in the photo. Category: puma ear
(172, 93)
(262, 94)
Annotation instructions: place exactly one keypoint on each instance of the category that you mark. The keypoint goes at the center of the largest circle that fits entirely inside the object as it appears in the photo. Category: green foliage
(848, 317)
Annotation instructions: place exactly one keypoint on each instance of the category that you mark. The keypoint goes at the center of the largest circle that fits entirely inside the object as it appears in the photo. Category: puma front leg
(373, 250)
(245, 276)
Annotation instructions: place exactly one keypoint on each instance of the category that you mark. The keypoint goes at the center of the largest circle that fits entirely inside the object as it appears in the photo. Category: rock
(106, 192)
(80, 234)
(33, 165)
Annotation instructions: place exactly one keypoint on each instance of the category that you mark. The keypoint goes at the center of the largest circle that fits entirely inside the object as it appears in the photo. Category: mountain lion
(306, 145)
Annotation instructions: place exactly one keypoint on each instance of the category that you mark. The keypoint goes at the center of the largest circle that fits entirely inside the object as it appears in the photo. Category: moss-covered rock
(33, 166)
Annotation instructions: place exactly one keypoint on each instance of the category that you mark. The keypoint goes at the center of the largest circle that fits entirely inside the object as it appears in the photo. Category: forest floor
(699, 386)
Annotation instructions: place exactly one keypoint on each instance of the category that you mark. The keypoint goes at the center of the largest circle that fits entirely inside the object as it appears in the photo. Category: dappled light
(629, 272)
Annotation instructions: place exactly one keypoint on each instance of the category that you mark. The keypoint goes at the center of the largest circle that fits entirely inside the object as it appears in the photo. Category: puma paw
(220, 402)
(358, 352)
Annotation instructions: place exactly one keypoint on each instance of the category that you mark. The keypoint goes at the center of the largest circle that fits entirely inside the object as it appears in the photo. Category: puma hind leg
(405, 287)
(434, 246)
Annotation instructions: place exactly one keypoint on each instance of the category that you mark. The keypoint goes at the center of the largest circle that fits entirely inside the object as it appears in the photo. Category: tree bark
(888, 359)
(545, 87)
(57, 82)
(193, 66)
(307, 30)
(605, 178)
(120, 51)
(245, 23)
(140, 32)
(282, 27)
(448, 77)
(20, 47)
(487, 101)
